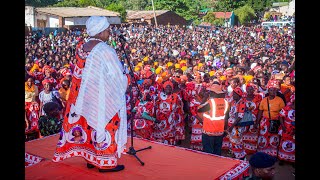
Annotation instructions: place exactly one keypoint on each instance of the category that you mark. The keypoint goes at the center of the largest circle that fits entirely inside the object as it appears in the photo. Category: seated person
(50, 123)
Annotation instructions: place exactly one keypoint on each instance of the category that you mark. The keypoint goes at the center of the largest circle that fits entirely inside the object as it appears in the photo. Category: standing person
(166, 109)
(48, 94)
(212, 115)
(268, 140)
(252, 101)
(286, 88)
(31, 106)
(143, 121)
(235, 132)
(287, 132)
(97, 105)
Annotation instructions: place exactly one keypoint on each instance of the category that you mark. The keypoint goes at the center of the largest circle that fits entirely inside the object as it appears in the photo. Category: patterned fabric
(143, 128)
(102, 155)
(32, 114)
(287, 143)
(250, 135)
(236, 136)
(165, 131)
(49, 125)
(268, 142)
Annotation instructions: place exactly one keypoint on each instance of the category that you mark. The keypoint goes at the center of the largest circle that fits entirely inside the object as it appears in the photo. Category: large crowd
(172, 68)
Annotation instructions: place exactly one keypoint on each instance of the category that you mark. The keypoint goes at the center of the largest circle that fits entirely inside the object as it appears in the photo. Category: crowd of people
(173, 69)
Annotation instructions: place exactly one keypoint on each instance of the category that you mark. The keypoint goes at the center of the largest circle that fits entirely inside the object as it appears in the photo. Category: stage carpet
(161, 162)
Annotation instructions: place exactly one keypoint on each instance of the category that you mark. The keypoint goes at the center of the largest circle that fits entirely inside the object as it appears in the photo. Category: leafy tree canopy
(118, 8)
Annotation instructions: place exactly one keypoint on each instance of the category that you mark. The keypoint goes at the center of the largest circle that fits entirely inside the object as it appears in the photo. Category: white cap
(96, 24)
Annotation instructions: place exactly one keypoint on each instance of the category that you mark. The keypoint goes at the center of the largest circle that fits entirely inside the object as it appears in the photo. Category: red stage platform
(161, 162)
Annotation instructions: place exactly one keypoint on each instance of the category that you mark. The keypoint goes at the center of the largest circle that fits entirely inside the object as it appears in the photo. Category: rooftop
(144, 14)
(222, 14)
(76, 11)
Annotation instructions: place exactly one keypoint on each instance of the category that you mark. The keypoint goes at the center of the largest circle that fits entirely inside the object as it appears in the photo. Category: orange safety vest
(213, 120)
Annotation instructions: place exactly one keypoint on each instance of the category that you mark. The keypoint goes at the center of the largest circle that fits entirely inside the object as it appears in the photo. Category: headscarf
(147, 82)
(273, 84)
(211, 73)
(167, 83)
(158, 70)
(184, 68)
(96, 24)
(45, 81)
(251, 85)
(238, 91)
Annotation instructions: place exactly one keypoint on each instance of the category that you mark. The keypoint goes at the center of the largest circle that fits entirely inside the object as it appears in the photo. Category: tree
(210, 17)
(40, 3)
(260, 5)
(218, 22)
(84, 3)
(120, 9)
(228, 5)
(245, 14)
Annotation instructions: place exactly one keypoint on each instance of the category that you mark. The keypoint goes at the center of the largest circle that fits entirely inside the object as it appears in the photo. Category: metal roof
(76, 11)
(144, 14)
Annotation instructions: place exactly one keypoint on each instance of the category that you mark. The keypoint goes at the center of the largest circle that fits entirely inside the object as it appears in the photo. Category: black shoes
(90, 166)
(115, 169)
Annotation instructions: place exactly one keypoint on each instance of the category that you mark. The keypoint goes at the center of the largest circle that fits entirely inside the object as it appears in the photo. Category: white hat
(96, 24)
(253, 65)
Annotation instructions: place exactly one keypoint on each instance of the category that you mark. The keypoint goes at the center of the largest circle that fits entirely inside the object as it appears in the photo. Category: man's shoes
(115, 169)
(90, 166)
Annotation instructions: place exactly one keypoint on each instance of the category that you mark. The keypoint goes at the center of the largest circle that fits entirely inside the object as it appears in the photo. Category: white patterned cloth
(102, 93)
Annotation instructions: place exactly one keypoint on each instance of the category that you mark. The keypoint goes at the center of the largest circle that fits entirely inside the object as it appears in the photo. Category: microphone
(120, 35)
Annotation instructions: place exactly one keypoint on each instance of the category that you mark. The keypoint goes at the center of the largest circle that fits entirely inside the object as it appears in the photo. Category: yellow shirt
(275, 105)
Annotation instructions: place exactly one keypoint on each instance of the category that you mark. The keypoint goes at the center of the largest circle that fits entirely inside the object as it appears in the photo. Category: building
(228, 16)
(285, 8)
(65, 16)
(164, 17)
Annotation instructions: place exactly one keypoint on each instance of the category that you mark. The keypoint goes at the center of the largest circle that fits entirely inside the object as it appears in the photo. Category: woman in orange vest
(212, 115)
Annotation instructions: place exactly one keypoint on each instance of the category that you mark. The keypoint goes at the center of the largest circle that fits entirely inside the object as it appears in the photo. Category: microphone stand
(132, 151)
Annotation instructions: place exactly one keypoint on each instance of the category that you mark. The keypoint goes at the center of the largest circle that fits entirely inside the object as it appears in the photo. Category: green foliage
(40, 3)
(267, 15)
(228, 5)
(260, 5)
(209, 17)
(134, 4)
(218, 22)
(84, 3)
(245, 14)
(196, 22)
(118, 8)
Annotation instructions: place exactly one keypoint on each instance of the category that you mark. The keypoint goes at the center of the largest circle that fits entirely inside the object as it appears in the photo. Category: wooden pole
(154, 14)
